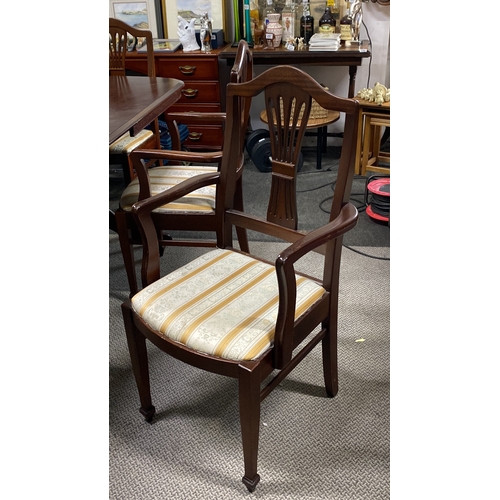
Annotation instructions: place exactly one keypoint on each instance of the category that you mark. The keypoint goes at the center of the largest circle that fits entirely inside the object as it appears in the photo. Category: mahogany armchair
(194, 211)
(231, 312)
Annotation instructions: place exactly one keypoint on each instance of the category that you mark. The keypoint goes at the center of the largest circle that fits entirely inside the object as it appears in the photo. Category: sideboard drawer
(204, 92)
(201, 92)
(189, 68)
(204, 137)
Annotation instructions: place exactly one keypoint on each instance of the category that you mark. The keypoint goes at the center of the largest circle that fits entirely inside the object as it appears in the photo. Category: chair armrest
(142, 159)
(216, 118)
(346, 220)
(287, 285)
(169, 154)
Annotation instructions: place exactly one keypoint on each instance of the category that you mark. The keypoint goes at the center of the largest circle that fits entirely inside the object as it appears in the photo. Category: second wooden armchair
(193, 211)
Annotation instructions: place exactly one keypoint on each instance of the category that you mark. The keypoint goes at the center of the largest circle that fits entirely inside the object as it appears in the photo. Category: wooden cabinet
(204, 82)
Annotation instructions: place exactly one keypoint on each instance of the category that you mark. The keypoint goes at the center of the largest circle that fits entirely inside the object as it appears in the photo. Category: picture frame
(140, 14)
(189, 9)
(163, 45)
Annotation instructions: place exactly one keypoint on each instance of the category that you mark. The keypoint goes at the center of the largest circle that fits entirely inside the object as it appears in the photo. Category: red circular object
(373, 215)
(376, 185)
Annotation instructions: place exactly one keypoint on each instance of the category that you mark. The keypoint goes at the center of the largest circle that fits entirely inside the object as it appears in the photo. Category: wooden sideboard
(349, 57)
(204, 78)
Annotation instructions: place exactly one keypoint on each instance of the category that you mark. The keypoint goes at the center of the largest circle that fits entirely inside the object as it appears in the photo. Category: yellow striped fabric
(163, 178)
(126, 143)
(224, 304)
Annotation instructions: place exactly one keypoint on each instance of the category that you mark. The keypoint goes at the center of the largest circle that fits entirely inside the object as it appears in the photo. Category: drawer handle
(190, 92)
(195, 136)
(187, 70)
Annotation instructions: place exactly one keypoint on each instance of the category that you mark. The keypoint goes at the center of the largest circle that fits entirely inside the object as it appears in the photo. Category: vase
(275, 27)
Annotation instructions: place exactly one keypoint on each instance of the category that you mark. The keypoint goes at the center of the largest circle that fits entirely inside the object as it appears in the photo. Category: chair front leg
(139, 357)
(127, 250)
(249, 401)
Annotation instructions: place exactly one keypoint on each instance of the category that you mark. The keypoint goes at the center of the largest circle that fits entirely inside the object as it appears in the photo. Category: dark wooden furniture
(203, 91)
(345, 56)
(195, 213)
(232, 313)
(120, 148)
(372, 119)
(134, 102)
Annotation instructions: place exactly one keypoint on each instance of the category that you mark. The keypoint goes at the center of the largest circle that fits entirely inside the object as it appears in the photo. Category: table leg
(352, 80)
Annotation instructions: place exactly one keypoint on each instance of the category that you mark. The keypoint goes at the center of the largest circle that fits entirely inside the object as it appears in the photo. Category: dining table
(135, 102)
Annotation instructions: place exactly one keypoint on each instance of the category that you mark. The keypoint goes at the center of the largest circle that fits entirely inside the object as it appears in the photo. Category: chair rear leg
(238, 204)
(249, 401)
(139, 357)
(330, 359)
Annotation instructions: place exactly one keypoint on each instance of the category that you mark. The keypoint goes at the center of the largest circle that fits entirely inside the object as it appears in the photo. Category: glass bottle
(326, 22)
(345, 28)
(255, 17)
(306, 23)
(268, 10)
(288, 16)
(334, 9)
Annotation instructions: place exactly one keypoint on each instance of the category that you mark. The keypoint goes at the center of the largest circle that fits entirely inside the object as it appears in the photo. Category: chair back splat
(231, 312)
(118, 45)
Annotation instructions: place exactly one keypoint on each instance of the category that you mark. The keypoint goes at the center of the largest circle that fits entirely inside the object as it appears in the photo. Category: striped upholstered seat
(126, 143)
(224, 304)
(163, 178)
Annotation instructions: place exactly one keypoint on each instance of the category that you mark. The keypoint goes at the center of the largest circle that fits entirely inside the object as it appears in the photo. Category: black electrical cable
(361, 208)
(370, 61)
(365, 254)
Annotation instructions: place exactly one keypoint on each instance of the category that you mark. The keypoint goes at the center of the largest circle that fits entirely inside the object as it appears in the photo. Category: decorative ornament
(206, 33)
(378, 94)
(187, 34)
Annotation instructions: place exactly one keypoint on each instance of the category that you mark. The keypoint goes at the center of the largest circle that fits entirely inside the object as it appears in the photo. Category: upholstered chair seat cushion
(224, 304)
(163, 178)
(126, 143)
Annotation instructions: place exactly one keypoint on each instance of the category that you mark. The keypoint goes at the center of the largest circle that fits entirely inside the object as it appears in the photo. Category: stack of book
(330, 41)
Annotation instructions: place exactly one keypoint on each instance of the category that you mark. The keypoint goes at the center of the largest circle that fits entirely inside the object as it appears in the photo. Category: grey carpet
(311, 446)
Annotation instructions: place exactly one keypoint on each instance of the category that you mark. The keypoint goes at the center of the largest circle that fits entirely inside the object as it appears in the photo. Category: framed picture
(192, 8)
(137, 14)
(162, 45)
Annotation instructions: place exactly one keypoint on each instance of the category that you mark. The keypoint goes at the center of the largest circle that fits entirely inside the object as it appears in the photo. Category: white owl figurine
(187, 34)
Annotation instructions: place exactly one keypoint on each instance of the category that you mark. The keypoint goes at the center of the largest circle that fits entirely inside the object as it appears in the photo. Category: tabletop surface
(135, 101)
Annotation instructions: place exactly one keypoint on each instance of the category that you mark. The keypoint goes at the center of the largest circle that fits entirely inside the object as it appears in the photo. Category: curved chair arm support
(345, 221)
(285, 273)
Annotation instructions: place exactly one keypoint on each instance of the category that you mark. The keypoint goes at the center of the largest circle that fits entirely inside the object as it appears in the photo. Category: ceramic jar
(274, 26)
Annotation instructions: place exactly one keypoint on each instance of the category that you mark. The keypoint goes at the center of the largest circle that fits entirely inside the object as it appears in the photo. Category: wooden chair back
(118, 44)
(288, 92)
